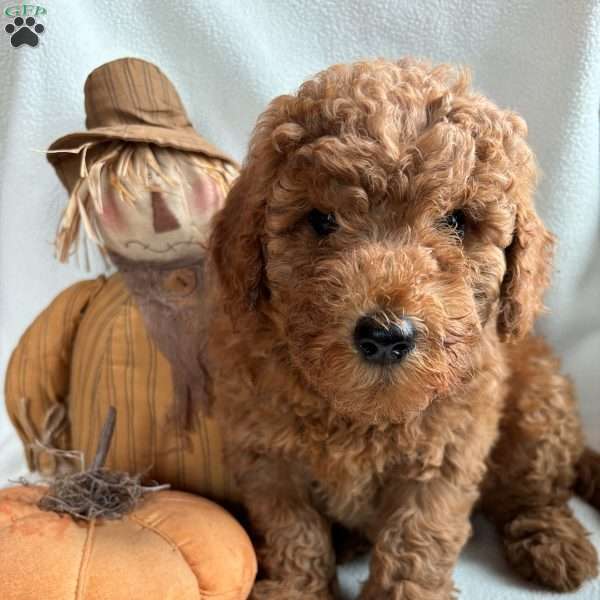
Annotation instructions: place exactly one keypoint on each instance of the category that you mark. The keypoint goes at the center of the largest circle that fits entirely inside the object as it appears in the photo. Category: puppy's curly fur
(477, 410)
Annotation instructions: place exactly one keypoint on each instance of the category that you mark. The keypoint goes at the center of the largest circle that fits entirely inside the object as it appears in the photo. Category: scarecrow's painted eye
(322, 223)
(456, 221)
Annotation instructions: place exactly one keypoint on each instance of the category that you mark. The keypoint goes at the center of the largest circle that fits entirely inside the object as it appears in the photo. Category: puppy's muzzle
(384, 344)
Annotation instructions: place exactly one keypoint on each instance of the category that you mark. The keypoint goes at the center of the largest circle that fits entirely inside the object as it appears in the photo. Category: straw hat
(129, 100)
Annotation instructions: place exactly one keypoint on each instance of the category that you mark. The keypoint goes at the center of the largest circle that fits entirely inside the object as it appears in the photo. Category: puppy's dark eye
(322, 223)
(457, 221)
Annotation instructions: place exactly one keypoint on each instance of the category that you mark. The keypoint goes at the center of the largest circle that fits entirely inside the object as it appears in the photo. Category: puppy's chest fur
(343, 465)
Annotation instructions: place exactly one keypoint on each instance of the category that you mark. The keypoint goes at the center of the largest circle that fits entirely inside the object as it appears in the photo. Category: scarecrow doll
(143, 185)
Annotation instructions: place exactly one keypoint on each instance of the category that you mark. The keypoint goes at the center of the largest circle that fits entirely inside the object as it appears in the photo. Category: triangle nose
(163, 219)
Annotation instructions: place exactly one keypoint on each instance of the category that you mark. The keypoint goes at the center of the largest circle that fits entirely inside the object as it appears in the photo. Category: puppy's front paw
(549, 546)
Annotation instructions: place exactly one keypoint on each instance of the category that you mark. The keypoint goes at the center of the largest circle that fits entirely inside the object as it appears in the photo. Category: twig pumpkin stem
(97, 492)
(105, 440)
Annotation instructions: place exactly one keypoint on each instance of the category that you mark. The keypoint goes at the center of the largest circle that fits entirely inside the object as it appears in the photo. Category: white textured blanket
(228, 58)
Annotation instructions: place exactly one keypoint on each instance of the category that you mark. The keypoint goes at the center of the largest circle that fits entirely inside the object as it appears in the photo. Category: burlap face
(158, 209)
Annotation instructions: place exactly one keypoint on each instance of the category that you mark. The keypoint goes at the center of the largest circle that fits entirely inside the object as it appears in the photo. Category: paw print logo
(24, 32)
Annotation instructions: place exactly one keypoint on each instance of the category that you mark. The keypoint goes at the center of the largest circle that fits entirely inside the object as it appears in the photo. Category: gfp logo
(24, 29)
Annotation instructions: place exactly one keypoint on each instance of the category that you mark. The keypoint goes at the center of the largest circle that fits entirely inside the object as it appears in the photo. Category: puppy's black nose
(384, 344)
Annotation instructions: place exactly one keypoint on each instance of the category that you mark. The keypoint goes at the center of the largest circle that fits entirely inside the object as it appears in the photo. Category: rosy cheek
(110, 216)
(206, 196)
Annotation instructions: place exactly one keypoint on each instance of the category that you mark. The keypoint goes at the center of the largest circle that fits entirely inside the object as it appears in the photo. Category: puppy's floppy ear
(236, 246)
(529, 256)
(236, 243)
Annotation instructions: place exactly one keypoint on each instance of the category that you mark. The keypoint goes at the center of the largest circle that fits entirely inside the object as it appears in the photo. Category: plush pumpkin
(173, 546)
(99, 534)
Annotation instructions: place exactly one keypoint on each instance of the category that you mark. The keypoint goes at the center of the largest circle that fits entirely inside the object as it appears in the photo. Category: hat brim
(185, 139)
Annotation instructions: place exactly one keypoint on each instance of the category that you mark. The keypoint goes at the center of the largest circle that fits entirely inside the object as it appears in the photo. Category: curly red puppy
(379, 265)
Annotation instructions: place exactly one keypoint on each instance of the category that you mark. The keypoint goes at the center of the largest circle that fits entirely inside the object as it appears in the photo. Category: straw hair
(129, 169)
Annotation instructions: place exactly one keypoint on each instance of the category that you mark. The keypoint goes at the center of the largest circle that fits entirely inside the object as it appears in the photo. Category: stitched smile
(170, 247)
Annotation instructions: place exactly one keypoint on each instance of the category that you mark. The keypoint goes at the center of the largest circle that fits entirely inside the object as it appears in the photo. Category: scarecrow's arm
(38, 375)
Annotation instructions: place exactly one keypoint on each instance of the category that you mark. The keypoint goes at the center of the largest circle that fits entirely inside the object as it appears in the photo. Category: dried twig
(97, 492)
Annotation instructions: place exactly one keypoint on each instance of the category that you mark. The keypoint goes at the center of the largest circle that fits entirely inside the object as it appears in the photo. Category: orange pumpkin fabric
(90, 350)
(174, 546)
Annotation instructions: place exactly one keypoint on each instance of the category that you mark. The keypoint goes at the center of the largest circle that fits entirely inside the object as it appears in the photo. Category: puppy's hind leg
(532, 471)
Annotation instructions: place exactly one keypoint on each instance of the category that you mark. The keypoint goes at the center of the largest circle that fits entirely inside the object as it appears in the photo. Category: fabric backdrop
(228, 58)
